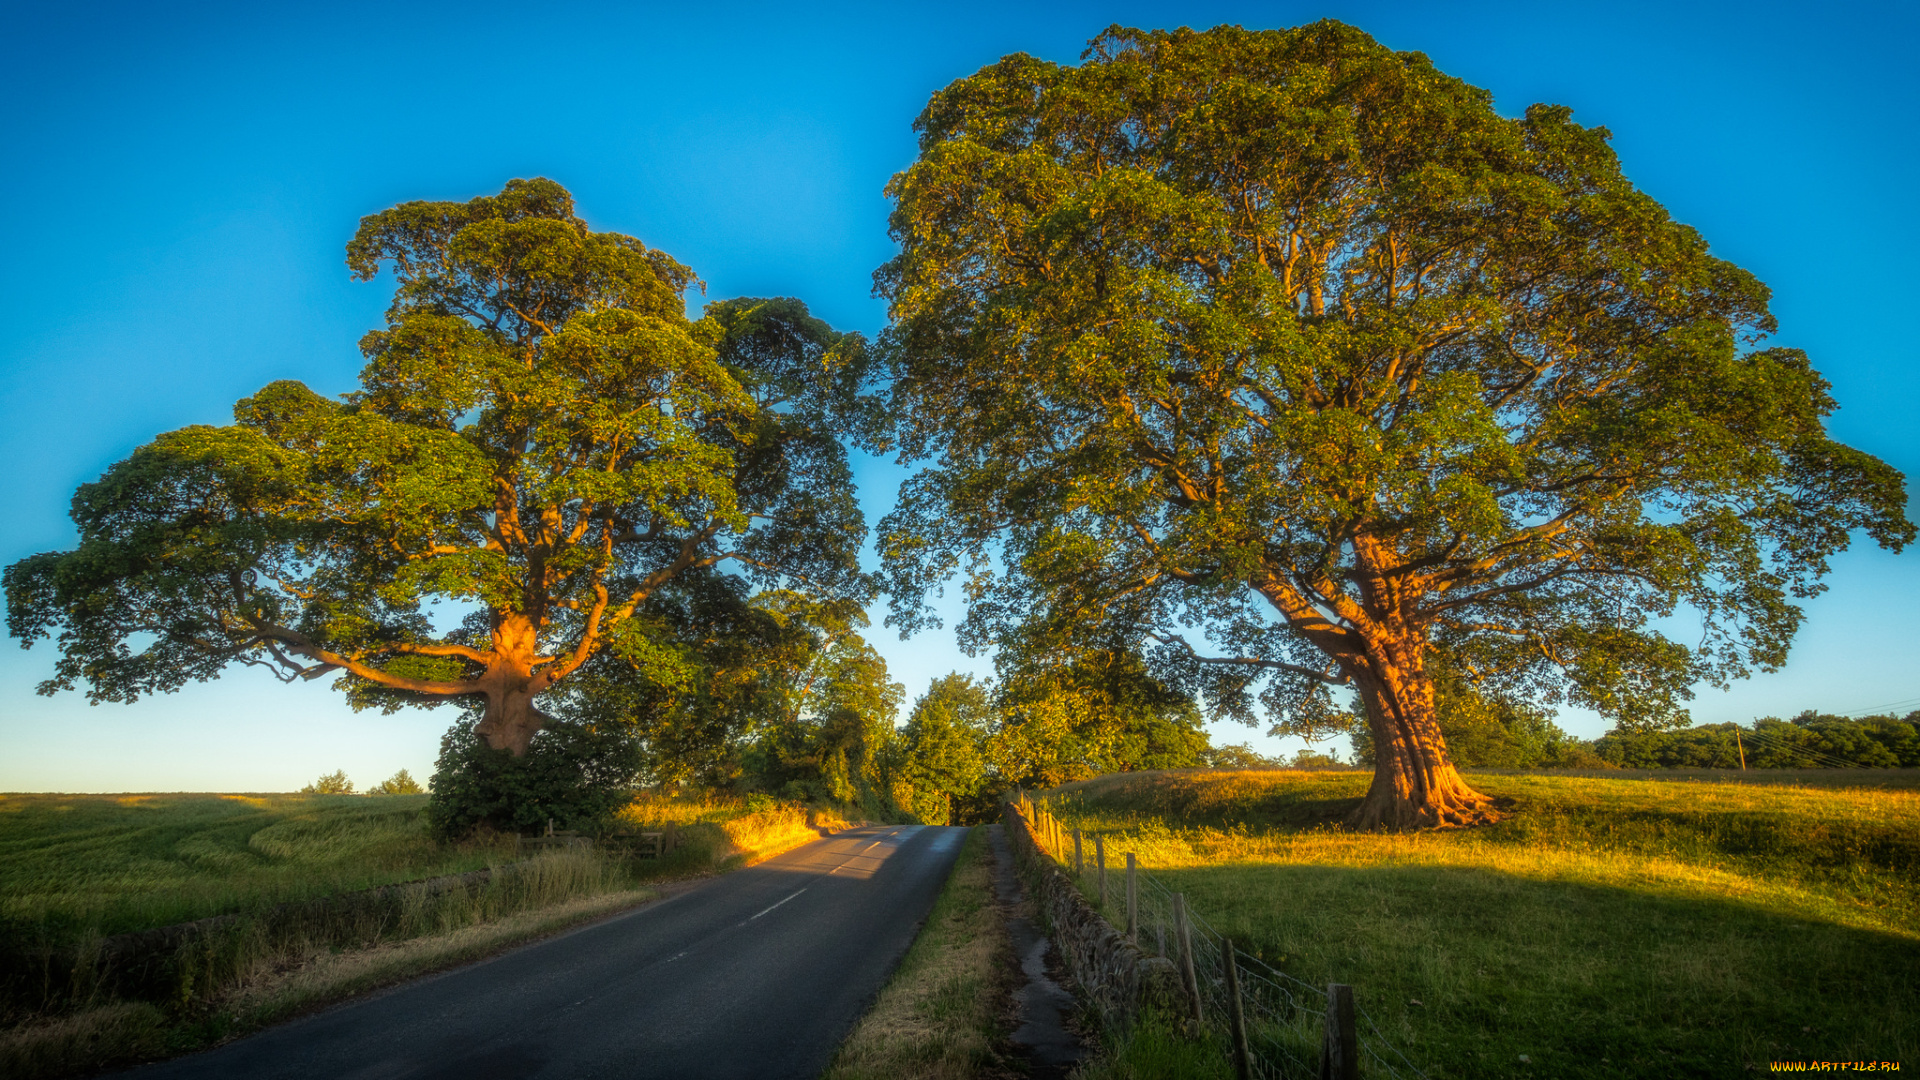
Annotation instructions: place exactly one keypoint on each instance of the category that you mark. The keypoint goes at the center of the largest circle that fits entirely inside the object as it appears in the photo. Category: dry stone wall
(1112, 975)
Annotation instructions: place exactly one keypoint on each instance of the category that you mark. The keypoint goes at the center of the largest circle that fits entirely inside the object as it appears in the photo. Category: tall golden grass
(730, 831)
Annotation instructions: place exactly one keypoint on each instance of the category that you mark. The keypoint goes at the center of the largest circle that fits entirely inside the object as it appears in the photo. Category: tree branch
(1249, 661)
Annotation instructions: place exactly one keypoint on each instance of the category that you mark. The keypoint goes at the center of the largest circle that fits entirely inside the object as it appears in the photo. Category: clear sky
(181, 181)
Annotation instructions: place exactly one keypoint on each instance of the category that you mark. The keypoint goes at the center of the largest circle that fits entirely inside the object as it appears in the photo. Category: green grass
(258, 972)
(1606, 927)
(75, 866)
(1153, 1047)
(941, 1015)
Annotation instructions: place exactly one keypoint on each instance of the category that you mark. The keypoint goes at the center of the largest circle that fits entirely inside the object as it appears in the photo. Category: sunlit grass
(1603, 928)
(732, 829)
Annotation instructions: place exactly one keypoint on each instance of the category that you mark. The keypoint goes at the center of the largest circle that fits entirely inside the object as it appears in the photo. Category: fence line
(1289, 1025)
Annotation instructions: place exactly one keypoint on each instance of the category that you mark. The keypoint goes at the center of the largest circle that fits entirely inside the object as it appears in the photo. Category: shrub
(334, 783)
(1309, 758)
(400, 783)
(1238, 756)
(575, 775)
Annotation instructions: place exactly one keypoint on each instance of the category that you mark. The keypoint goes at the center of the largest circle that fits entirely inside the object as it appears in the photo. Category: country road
(759, 973)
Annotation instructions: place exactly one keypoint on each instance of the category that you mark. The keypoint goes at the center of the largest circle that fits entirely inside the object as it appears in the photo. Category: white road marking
(781, 902)
(677, 956)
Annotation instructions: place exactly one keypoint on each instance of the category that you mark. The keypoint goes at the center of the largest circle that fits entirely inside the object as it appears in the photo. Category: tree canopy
(1083, 713)
(541, 439)
(1285, 344)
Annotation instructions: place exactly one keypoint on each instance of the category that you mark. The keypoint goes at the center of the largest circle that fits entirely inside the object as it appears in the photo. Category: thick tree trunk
(1415, 785)
(511, 721)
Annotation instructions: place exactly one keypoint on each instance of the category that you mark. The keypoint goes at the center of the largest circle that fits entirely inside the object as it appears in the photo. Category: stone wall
(1112, 974)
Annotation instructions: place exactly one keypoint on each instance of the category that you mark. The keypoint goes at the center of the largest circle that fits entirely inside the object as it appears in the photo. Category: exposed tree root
(1447, 803)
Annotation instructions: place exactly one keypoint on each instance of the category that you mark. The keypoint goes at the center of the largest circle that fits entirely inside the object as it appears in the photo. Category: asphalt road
(759, 973)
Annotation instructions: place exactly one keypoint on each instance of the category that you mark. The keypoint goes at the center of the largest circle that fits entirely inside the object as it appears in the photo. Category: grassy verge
(940, 1015)
(1155, 1048)
(1606, 927)
(729, 833)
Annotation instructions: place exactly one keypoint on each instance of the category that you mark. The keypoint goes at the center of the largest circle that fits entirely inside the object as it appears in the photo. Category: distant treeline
(1810, 740)
(1487, 732)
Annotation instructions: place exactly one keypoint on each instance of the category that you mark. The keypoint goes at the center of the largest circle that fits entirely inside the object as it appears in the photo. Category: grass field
(1606, 927)
(75, 869)
(76, 866)
(72, 866)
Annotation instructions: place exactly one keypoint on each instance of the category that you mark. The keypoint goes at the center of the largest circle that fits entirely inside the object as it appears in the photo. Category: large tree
(1291, 343)
(946, 759)
(828, 727)
(542, 439)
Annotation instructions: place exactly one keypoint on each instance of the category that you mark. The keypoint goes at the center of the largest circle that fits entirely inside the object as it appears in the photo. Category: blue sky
(181, 181)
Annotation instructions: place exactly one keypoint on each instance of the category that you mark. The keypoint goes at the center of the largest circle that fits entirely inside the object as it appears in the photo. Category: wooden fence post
(1185, 939)
(1100, 860)
(671, 840)
(1340, 1046)
(1236, 1016)
(1079, 864)
(1133, 905)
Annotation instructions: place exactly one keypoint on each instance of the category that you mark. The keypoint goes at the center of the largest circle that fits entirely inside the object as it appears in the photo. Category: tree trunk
(511, 720)
(1415, 785)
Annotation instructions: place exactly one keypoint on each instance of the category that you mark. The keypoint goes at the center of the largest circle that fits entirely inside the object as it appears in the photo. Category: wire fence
(1289, 1026)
